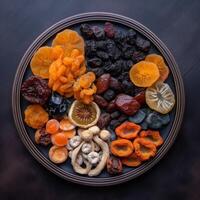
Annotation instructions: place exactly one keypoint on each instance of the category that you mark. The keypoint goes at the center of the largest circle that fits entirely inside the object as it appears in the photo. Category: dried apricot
(52, 126)
(121, 147)
(69, 40)
(66, 125)
(69, 134)
(59, 139)
(144, 74)
(144, 149)
(132, 160)
(159, 61)
(35, 116)
(43, 58)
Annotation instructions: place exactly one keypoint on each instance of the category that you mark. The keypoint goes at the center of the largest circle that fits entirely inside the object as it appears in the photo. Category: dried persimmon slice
(69, 40)
(43, 58)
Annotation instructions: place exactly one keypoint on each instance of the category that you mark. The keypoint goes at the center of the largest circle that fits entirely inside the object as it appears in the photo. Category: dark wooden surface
(177, 175)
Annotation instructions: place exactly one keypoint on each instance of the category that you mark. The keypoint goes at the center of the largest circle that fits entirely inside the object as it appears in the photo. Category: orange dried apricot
(35, 116)
(162, 67)
(144, 74)
(69, 134)
(69, 40)
(132, 160)
(66, 125)
(121, 147)
(153, 136)
(59, 139)
(144, 149)
(43, 58)
(128, 130)
(52, 126)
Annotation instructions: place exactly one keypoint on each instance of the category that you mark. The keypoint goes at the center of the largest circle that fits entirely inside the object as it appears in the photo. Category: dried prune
(115, 84)
(114, 165)
(138, 56)
(154, 121)
(100, 101)
(114, 123)
(86, 31)
(143, 44)
(42, 137)
(102, 83)
(115, 114)
(128, 87)
(103, 55)
(109, 95)
(97, 71)
(131, 36)
(57, 105)
(104, 120)
(109, 30)
(94, 62)
(35, 90)
(138, 117)
(122, 118)
(111, 106)
(98, 33)
(127, 104)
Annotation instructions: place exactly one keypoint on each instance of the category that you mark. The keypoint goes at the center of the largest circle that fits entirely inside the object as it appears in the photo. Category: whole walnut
(114, 165)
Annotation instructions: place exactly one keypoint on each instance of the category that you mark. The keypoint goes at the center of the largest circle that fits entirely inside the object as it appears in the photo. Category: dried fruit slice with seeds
(84, 115)
(160, 97)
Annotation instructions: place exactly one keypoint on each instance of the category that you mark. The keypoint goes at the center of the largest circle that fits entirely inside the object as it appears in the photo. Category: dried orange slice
(144, 74)
(159, 61)
(160, 97)
(43, 58)
(69, 40)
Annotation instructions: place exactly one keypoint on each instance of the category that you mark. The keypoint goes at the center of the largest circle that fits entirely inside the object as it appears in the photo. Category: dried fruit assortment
(98, 98)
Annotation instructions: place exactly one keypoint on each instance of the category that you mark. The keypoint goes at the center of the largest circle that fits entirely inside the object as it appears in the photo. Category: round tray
(65, 171)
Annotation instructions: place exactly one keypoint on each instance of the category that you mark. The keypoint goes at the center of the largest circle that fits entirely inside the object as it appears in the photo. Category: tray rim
(92, 16)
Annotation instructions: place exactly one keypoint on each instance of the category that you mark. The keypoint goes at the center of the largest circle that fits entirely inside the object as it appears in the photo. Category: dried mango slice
(35, 116)
(144, 74)
(43, 58)
(69, 40)
(160, 97)
(162, 67)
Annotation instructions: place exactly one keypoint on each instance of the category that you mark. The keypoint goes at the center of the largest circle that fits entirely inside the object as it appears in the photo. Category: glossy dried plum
(115, 84)
(128, 87)
(115, 114)
(99, 33)
(154, 121)
(86, 31)
(142, 44)
(122, 118)
(138, 117)
(111, 106)
(131, 36)
(109, 95)
(114, 165)
(103, 55)
(109, 30)
(127, 104)
(165, 119)
(114, 123)
(35, 90)
(102, 83)
(57, 105)
(100, 101)
(104, 120)
(98, 71)
(140, 97)
(94, 62)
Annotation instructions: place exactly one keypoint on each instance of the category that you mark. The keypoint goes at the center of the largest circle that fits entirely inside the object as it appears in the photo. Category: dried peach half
(144, 74)
(159, 61)
(69, 40)
(43, 58)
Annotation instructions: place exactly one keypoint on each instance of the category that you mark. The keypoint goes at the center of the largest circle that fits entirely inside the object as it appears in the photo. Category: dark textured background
(177, 175)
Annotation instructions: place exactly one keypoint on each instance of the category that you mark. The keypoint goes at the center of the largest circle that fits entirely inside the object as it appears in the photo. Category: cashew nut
(100, 166)
(75, 141)
(96, 147)
(93, 157)
(70, 154)
(86, 135)
(80, 130)
(79, 159)
(86, 148)
(77, 168)
(105, 135)
(94, 129)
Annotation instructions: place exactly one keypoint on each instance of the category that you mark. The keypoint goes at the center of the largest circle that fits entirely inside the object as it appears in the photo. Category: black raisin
(101, 45)
(109, 30)
(86, 31)
(94, 62)
(91, 48)
(131, 36)
(114, 123)
(99, 33)
(97, 71)
(142, 44)
(104, 56)
(138, 56)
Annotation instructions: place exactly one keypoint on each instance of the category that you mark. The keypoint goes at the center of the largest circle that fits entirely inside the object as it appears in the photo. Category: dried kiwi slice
(84, 115)
(160, 97)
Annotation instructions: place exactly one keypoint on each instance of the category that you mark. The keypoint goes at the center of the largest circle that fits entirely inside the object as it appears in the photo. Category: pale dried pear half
(84, 115)
(160, 97)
